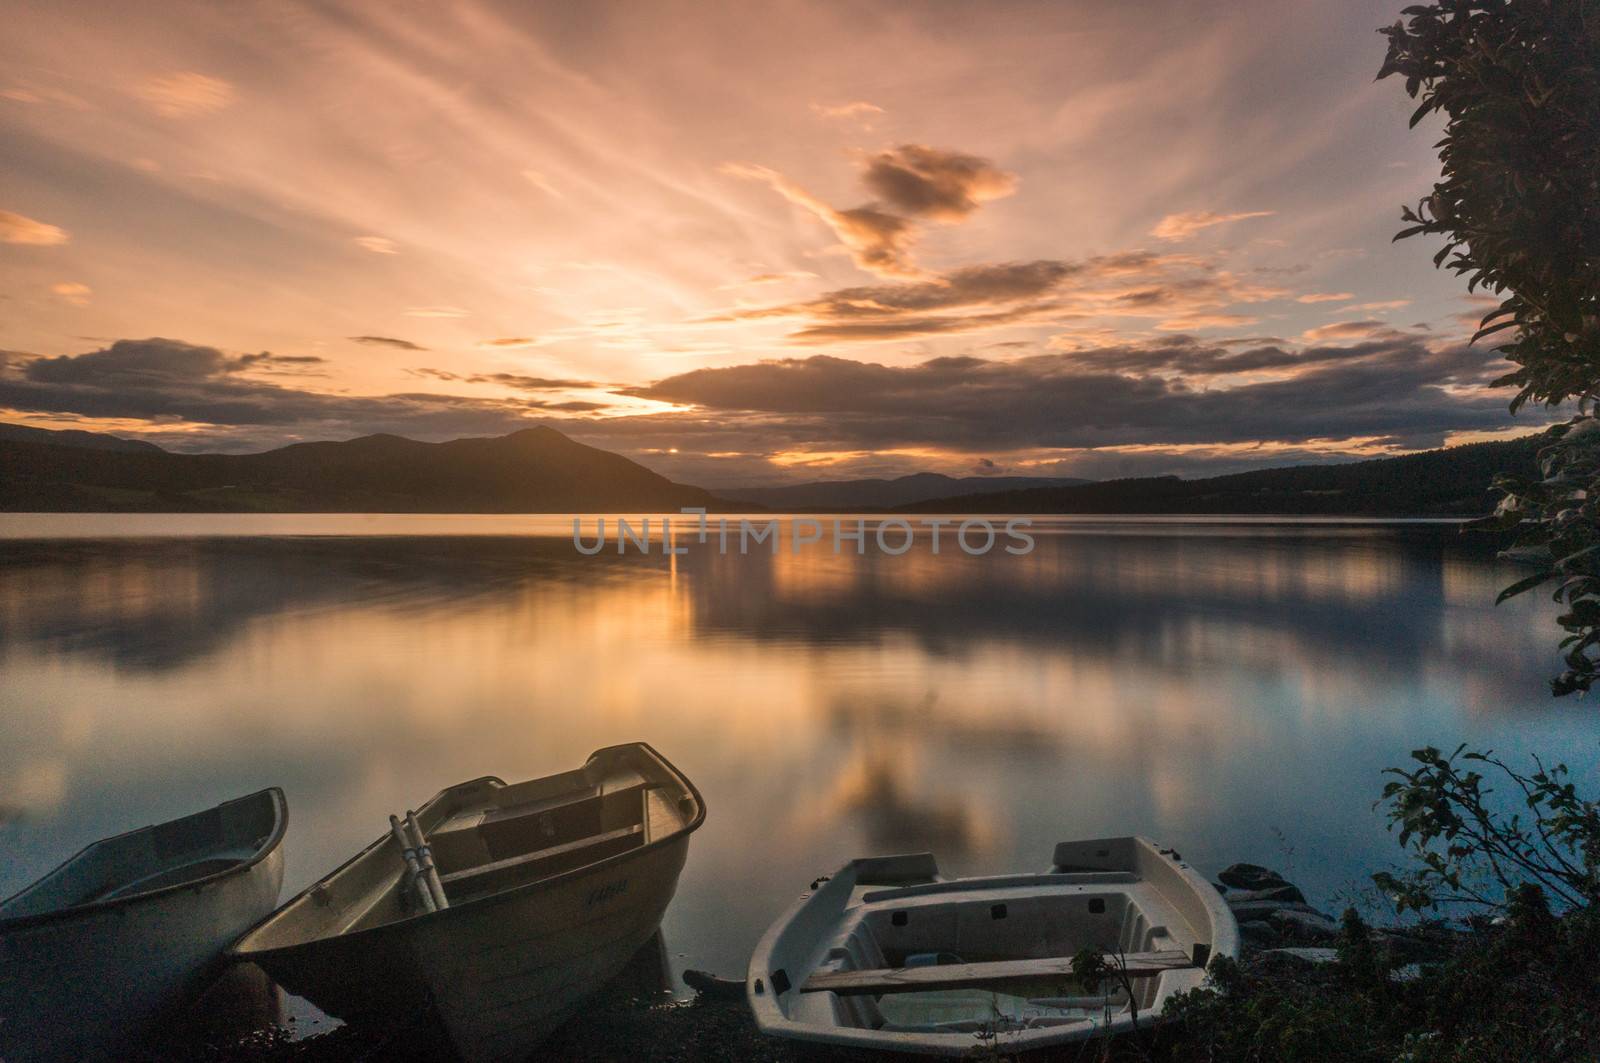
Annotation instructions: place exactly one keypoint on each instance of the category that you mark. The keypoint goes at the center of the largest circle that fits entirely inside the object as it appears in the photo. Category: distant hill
(1449, 482)
(531, 471)
(72, 437)
(884, 494)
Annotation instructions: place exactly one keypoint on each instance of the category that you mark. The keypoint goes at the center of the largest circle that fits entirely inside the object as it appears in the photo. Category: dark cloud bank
(1393, 386)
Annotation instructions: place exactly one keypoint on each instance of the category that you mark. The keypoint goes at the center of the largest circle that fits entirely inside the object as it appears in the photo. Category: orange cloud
(506, 342)
(932, 183)
(1345, 330)
(878, 242)
(917, 181)
(72, 292)
(1204, 321)
(1324, 297)
(18, 229)
(857, 109)
(542, 183)
(1179, 227)
(185, 94)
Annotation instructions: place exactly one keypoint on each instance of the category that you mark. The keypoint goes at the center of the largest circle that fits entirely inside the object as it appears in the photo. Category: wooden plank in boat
(529, 867)
(881, 980)
(512, 832)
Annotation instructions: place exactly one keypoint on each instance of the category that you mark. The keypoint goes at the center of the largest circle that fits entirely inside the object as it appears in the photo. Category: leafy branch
(1466, 852)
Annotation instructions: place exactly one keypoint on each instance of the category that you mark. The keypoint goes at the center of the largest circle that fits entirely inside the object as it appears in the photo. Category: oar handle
(414, 875)
(430, 873)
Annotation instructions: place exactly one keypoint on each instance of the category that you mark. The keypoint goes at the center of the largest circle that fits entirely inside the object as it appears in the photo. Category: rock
(1312, 957)
(1286, 892)
(1252, 877)
(1266, 909)
(1307, 924)
(1259, 933)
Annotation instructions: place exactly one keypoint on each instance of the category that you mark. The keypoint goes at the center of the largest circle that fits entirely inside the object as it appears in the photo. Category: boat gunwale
(273, 841)
(240, 951)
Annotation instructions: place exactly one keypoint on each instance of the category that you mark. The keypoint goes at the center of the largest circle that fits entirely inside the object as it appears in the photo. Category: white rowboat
(101, 949)
(552, 886)
(888, 954)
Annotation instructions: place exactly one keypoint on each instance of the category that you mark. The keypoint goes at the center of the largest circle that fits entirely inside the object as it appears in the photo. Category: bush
(1469, 852)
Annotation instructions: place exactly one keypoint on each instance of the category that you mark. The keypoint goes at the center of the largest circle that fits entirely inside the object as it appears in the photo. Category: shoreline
(638, 1016)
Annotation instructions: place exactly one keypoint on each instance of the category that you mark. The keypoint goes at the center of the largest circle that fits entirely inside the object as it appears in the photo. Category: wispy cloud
(72, 292)
(918, 182)
(520, 381)
(185, 94)
(877, 241)
(387, 341)
(542, 183)
(378, 245)
(855, 109)
(1181, 291)
(1345, 330)
(19, 229)
(1179, 227)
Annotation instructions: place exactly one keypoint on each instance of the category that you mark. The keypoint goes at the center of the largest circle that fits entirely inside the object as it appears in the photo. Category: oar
(422, 894)
(430, 874)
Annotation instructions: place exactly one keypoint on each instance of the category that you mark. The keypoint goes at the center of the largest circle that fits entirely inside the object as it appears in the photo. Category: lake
(1231, 688)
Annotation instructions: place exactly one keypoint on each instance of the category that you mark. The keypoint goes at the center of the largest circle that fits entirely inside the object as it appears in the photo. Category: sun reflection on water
(1197, 686)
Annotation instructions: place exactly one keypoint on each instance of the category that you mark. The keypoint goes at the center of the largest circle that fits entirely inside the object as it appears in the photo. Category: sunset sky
(741, 243)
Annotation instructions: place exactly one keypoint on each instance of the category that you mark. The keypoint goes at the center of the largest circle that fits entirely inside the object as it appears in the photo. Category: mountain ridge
(539, 469)
(1447, 482)
(884, 492)
(529, 471)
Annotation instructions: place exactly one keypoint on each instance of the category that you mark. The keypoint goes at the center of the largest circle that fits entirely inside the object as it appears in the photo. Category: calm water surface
(1233, 689)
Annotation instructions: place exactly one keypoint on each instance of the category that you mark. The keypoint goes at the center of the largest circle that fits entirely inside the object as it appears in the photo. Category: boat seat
(543, 863)
(881, 980)
(855, 949)
(539, 825)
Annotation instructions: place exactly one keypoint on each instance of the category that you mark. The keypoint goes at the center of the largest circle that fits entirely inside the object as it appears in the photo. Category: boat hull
(498, 974)
(879, 954)
(87, 984)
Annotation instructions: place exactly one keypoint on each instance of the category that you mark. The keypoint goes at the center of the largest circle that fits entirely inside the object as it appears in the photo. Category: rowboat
(494, 909)
(95, 954)
(888, 954)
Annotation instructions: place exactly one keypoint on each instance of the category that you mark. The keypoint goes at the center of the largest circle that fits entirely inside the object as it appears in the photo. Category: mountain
(884, 494)
(72, 437)
(537, 470)
(1450, 482)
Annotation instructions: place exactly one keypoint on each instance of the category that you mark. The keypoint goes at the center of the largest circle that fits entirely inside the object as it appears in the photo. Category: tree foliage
(1518, 198)
(1556, 516)
(1518, 203)
(1467, 850)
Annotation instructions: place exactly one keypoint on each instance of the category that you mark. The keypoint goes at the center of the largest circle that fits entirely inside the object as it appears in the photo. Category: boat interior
(153, 858)
(963, 942)
(487, 837)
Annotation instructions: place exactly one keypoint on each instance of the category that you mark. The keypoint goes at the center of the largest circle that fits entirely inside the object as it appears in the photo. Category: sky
(740, 243)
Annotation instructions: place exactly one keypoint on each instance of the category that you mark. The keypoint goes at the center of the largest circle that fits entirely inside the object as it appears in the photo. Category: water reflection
(1200, 683)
